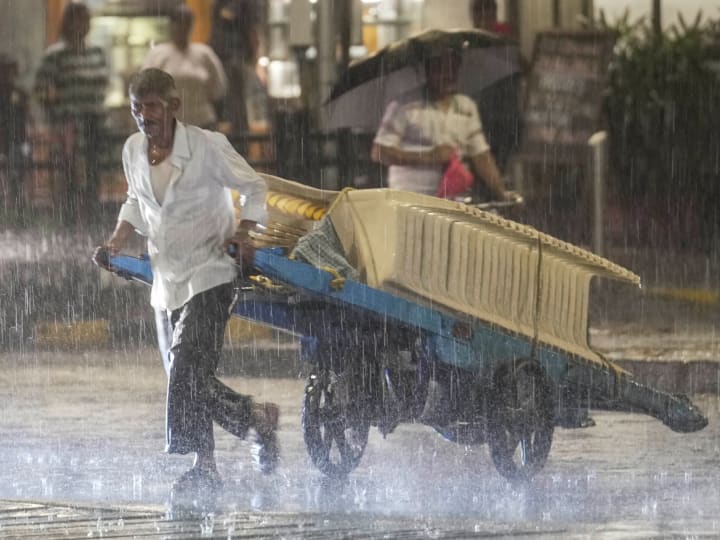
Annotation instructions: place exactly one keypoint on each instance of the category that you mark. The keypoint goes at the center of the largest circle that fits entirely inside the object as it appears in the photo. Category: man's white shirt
(186, 233)
(419, 126)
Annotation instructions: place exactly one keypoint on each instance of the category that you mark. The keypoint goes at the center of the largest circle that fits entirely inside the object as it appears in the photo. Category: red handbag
(456, 180)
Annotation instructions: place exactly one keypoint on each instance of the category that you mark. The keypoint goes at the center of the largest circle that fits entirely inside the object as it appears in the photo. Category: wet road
(88, 427)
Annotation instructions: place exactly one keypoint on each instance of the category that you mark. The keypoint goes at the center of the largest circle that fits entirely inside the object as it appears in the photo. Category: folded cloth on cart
(321, 247)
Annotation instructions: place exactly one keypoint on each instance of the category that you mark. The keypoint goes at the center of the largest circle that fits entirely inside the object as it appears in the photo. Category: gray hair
(153, 81)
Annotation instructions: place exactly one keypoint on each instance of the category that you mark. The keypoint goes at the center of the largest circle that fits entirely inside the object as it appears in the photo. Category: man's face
(79, 26)
(180, 33)
(442, 75)
(154, 116)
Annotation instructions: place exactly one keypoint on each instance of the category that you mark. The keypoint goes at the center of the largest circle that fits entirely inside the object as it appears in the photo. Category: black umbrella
(359, 98)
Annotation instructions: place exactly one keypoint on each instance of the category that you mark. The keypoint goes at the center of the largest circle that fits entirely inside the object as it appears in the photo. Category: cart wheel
(520, 420)
(335, 433)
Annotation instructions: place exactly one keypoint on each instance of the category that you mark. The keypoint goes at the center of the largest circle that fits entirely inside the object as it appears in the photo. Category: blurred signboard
(565, 89)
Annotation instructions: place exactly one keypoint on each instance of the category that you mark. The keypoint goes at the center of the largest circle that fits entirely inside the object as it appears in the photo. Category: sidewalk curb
(253, 349)
(693, 295)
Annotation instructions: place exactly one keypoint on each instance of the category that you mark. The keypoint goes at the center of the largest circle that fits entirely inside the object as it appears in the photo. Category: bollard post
(598, 146)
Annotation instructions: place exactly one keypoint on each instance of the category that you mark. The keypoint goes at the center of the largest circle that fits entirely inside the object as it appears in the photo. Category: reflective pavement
(81, 436)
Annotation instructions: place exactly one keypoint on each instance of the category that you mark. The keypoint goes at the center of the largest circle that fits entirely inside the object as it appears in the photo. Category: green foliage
(664, 110)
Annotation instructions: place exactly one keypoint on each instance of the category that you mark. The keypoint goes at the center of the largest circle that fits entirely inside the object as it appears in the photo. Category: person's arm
(245, 254)
(478, 149)
(389, 146)
(389, 142)
(115, 244)
(390, 155)
(119, 238)
(129, 218)
(486, 168)
(235, 173)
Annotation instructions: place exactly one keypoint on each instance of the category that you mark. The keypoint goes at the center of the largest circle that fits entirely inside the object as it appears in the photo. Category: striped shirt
(78, 79)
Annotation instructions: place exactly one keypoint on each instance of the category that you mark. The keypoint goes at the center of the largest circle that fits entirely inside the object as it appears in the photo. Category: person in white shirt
(417, 139)
(179, 196)
(197, 70)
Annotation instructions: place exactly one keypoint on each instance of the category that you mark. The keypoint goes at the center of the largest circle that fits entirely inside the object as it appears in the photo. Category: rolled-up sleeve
(235, 173)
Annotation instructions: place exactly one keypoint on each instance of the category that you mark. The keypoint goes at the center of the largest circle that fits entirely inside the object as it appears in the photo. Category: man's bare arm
(245, 253)
(121, 234)
(389, 155)
(485, 167)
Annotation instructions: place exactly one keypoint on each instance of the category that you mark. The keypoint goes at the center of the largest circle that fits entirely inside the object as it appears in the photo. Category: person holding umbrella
(423, 142)
(418, 139)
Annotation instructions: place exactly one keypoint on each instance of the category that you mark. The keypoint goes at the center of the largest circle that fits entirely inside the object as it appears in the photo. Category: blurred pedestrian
(236, 40)
(420, 138)
(424, 142)
(70, 85)
(179, 180)
(197, 71)
(14, 146)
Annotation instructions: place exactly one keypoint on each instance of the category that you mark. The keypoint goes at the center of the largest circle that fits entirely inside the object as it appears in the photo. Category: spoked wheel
(335, 432)
(521, 420)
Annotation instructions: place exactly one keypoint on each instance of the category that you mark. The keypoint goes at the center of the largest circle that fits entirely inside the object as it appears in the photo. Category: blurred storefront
(305, 43)
(304, 46)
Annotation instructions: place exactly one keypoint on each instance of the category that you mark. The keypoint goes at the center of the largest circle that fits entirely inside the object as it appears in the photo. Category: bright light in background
(264, 61)
(283, 79)
(614, 9)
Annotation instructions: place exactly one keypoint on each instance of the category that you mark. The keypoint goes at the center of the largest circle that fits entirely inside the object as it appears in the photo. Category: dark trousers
(190, 340)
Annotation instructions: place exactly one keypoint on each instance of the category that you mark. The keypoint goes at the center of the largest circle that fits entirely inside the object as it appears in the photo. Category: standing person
(197, 70)
(236, 40)
(70, 85)
(418, 139)
(14, 119)
(179, 180)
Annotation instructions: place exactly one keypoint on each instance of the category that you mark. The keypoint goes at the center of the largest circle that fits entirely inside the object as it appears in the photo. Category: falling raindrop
(207, 526)
(97, 485)
(137, 486)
